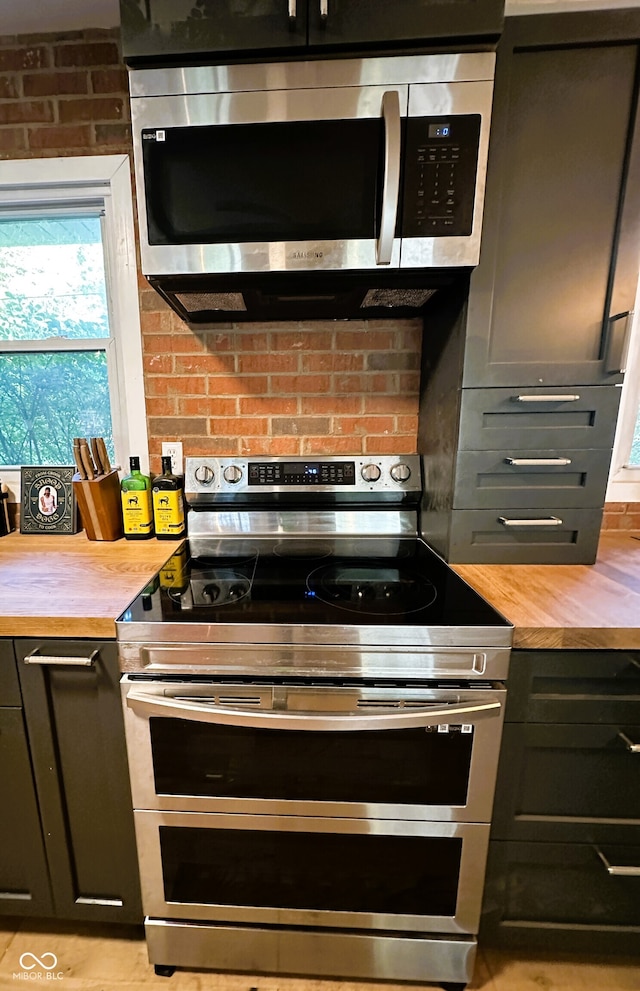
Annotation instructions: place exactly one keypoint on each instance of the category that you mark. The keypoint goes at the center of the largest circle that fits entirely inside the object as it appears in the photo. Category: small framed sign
(48, 500)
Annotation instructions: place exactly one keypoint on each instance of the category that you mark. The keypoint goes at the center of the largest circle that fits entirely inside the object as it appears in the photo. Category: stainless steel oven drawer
(281, 950)
(322, 873)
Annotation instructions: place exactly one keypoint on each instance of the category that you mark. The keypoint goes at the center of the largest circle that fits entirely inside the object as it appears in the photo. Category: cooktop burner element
(378, 590)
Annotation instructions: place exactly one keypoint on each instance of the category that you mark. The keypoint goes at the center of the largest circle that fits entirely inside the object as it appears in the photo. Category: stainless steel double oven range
(313, 706)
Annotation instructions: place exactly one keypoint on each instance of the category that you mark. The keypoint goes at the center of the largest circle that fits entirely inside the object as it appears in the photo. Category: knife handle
(97, 460)
(77, 457)
(86, 459)
(104, 456)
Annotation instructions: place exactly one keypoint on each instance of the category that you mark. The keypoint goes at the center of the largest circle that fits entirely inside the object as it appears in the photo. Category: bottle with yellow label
(137, 513)
(168, 504)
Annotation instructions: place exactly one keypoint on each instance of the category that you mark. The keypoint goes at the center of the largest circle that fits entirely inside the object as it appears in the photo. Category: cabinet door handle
(536, 462)
(324, 9)
(293, 10)
(569, 398)
(35, 657)
(633, 748)
(545, 521)
(617, 871)
(391, 178)
(617, 346)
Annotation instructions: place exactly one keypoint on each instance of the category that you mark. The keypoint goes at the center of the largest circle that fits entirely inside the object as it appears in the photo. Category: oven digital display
(302, 473)
(293, 468)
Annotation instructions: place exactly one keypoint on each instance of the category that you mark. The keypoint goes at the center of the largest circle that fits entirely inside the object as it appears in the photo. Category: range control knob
(370, 473)
(401, 472)
(204, 474)
(232, 474)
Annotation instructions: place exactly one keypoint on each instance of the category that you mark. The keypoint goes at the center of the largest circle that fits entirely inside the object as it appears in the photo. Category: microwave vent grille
(396, 297)
(194, 301)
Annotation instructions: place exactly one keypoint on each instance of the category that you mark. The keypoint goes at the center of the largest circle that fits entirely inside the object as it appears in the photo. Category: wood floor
(114, 958)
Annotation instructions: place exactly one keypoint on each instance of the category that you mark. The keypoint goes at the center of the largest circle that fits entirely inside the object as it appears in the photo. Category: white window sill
(624, 486)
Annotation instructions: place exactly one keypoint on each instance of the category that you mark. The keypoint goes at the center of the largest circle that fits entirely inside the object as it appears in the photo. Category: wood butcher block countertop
(69, 586)
(569, 606)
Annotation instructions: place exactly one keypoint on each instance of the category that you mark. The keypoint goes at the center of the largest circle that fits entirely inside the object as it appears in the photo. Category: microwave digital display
(439, 130)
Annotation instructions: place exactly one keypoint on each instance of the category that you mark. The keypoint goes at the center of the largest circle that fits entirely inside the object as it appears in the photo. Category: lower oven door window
(435, 760)
(421, 877)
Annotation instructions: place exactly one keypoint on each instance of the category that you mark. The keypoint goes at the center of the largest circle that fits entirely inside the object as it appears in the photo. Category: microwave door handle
(293, 11)
(156, 705)
(391, 178)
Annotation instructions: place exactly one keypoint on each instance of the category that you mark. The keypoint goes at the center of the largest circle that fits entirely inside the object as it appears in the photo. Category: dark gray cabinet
(71, 761)
(564, 862)
(24, 876)
(195, 29)
(558, 273)
(522, 376)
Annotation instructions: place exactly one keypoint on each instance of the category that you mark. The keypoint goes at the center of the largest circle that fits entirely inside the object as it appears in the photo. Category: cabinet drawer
(567, 781)
(9, 685)
(534, 888)
(541, 418)
(577, 478)
(577, 686)
(545, 535)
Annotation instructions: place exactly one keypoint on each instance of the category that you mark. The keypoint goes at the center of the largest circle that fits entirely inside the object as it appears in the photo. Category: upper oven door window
(341, 755)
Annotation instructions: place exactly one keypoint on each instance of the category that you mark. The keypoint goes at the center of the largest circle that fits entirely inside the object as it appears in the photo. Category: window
(70, 347)
(624, 478)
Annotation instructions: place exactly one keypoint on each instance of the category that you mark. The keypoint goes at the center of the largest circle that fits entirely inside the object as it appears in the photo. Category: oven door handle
(154, 705)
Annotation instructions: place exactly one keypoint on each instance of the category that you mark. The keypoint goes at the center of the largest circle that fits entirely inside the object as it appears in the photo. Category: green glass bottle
(137, 513)
(168, 504)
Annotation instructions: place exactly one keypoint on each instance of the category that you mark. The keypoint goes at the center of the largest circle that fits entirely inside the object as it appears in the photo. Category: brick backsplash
(303, 388)
(621, 516)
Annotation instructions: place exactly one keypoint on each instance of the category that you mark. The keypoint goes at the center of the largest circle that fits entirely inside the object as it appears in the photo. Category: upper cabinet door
(550, 300)
(166, 31)
(381, 22)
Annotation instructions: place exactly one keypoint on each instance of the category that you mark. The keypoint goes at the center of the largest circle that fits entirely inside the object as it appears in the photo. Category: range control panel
(440, 176)
(206, 479)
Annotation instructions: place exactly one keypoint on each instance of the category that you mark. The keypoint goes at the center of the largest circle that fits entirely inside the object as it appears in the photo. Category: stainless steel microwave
(372, 165)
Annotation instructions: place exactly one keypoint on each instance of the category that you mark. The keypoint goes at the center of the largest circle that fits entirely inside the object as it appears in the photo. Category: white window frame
(103, 180)
(624, 482)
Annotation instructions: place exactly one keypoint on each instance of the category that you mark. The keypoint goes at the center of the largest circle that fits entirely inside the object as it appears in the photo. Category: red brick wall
(621, 516)
(289, 388)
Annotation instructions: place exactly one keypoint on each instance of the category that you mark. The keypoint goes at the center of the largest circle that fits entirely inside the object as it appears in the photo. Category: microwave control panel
(441, 163)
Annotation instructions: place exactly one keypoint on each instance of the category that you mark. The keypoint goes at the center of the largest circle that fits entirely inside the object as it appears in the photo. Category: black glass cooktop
(344, 582)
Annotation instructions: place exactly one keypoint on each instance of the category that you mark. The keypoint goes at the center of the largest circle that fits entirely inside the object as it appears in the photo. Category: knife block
(99, 504)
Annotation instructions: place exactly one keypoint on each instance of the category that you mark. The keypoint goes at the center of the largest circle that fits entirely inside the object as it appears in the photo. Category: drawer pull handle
(536, 462)
(617, 870)
(546, 399)
(633, 748)
(35, 657)
(545, 521)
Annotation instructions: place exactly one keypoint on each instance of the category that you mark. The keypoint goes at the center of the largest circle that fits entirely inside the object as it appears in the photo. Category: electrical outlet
(173, 449)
